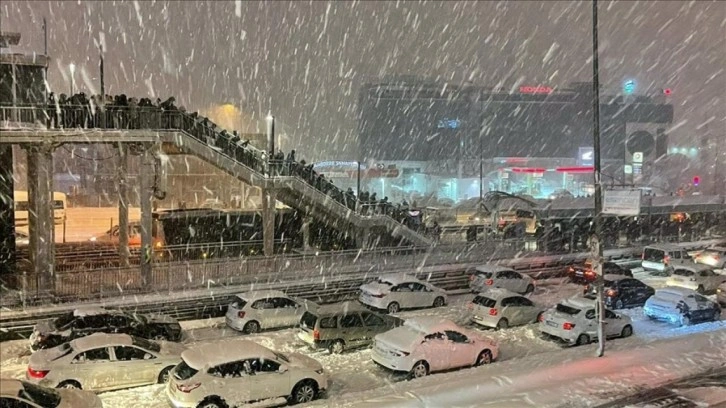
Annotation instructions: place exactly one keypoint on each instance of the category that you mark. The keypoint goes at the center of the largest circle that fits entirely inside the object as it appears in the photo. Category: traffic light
(696, 181)
(667, 91)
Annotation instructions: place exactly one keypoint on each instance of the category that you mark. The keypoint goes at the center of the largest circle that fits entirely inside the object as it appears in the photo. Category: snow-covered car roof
(674, 291)
(398, 278)
(613, 278)
(10, 388)
(219, 352)
(580, 302)
(90, 311)
(693, 267)
(492, 268)
(261, 294)
(100, 340)
(664, 247)
(498, 293)
(339, 308)
(716, 248)
(430, 324)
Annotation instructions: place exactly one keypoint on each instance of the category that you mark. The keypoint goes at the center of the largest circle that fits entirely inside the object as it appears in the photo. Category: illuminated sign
(535, 89)
(629, 86)
(449, 124)
(586, 156)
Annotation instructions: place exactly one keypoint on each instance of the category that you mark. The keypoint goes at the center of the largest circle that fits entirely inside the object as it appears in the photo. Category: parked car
(23, 394)
(585, 273)
(265, 309)
(112, 236)
(102, 362)
(427, 344)
(395, 292)
(233, 372)
(721, 294)
(343, 326)
(574, 321)
(621, 291)
(661, 259)
(500, 308)
(700, 278)
(494, 276)
(715, 257)
(88, 320)
(681, 306)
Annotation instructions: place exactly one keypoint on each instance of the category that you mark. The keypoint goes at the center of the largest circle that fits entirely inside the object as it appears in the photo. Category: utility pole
(598, 186)
(103, 87)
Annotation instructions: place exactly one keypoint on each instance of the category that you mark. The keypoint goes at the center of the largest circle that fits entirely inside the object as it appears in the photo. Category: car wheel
(627, 331)
(252, 327)
(502, 324)
(212, 402)
(700, 289)
(583, 339)
(439, 301)
(530, 289)
(304, 391)
(70, 384)
(160, 337)
(685, 321)
(619, 304)
(393, 307)
(164, 375)
(485, 357)
(420, 369)
(337, 347)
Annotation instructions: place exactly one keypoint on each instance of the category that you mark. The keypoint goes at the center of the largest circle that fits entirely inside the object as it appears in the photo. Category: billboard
(621, 202)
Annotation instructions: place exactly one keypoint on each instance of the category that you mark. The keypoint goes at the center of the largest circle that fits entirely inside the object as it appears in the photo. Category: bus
(20, 199)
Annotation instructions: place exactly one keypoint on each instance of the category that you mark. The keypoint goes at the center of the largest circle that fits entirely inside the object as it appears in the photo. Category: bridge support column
(307, 221)
(41, 227)
(146, 189)
(361, 237)
(7, 212)
(268, 221)
(123, 204)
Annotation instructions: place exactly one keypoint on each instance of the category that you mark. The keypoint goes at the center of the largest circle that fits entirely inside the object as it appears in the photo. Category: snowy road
(354, 372)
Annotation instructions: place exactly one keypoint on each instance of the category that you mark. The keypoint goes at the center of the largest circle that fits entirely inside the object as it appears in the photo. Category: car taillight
(489, 282)
(540, 318)
(241, 314)
(37, 373)
(716, 257)
(570, 269)
(587, 289)
(568, 326)
(492, 312)
(187, 388)
(316, 334)
(666, 259)
(611, 293)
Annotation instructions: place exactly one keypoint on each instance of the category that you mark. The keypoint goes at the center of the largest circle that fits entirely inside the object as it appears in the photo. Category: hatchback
(500, 308)
(343, 326)
(494, 276)
(575, 322)
(700, 278)
(251, 312)
(395, 292)
(681, 306)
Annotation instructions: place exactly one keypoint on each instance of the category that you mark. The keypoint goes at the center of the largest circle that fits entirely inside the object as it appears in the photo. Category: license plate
(551, 323)
(579, 273)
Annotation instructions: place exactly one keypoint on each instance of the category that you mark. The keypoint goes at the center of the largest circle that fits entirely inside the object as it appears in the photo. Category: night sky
(305, 61)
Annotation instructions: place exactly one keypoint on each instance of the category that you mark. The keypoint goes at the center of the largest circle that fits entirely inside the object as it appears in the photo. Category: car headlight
(93, 239)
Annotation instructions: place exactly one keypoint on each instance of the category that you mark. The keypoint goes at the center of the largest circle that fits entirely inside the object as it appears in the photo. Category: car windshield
(567, 309)
(145, 344)
(484, 301)
(653, 255)
(683, 272)
(485, 275)
(238, 303)
(45, 397)
(384, 282)
(63, 321)
(308, 320)
(184, 372)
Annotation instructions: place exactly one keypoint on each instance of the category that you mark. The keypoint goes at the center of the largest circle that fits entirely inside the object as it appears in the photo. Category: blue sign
(586, 156)
(629, 86)
(449, 124)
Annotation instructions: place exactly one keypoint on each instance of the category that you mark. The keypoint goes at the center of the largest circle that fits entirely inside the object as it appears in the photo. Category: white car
(252, 311)
(427, 344)
(700, 278)
(495, 276)
(395, 292)
(681, 306)
(234, 372)
(22, 394)
(715, 257)
(102, 362)
(663, 258)
(500, 308)
(574, 321)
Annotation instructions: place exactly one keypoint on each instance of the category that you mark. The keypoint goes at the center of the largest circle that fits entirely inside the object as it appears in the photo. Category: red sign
(535, 89)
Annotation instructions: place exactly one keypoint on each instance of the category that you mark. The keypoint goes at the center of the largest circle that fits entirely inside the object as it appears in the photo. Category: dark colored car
(586, 274)
(84, 321)
(621, 291)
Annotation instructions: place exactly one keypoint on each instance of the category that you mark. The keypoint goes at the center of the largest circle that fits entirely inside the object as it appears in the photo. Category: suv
(662, 258)
(342, 326)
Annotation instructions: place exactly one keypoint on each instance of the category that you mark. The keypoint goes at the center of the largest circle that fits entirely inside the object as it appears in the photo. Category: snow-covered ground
(354, 377)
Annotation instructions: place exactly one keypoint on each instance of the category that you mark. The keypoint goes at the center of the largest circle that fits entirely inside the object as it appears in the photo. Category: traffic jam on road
(276, 349)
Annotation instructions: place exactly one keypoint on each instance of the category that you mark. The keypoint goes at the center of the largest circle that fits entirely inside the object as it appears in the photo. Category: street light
(72, 68)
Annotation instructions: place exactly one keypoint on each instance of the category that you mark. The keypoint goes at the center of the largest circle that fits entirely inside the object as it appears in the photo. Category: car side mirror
(148, 356)
(283, 368)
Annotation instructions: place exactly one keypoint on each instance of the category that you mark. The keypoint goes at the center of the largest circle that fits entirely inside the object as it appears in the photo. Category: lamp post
(72, 68)
(598, 186)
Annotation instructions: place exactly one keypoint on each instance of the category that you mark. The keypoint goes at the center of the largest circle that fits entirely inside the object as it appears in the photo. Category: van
(343, 326)
(662, 258)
